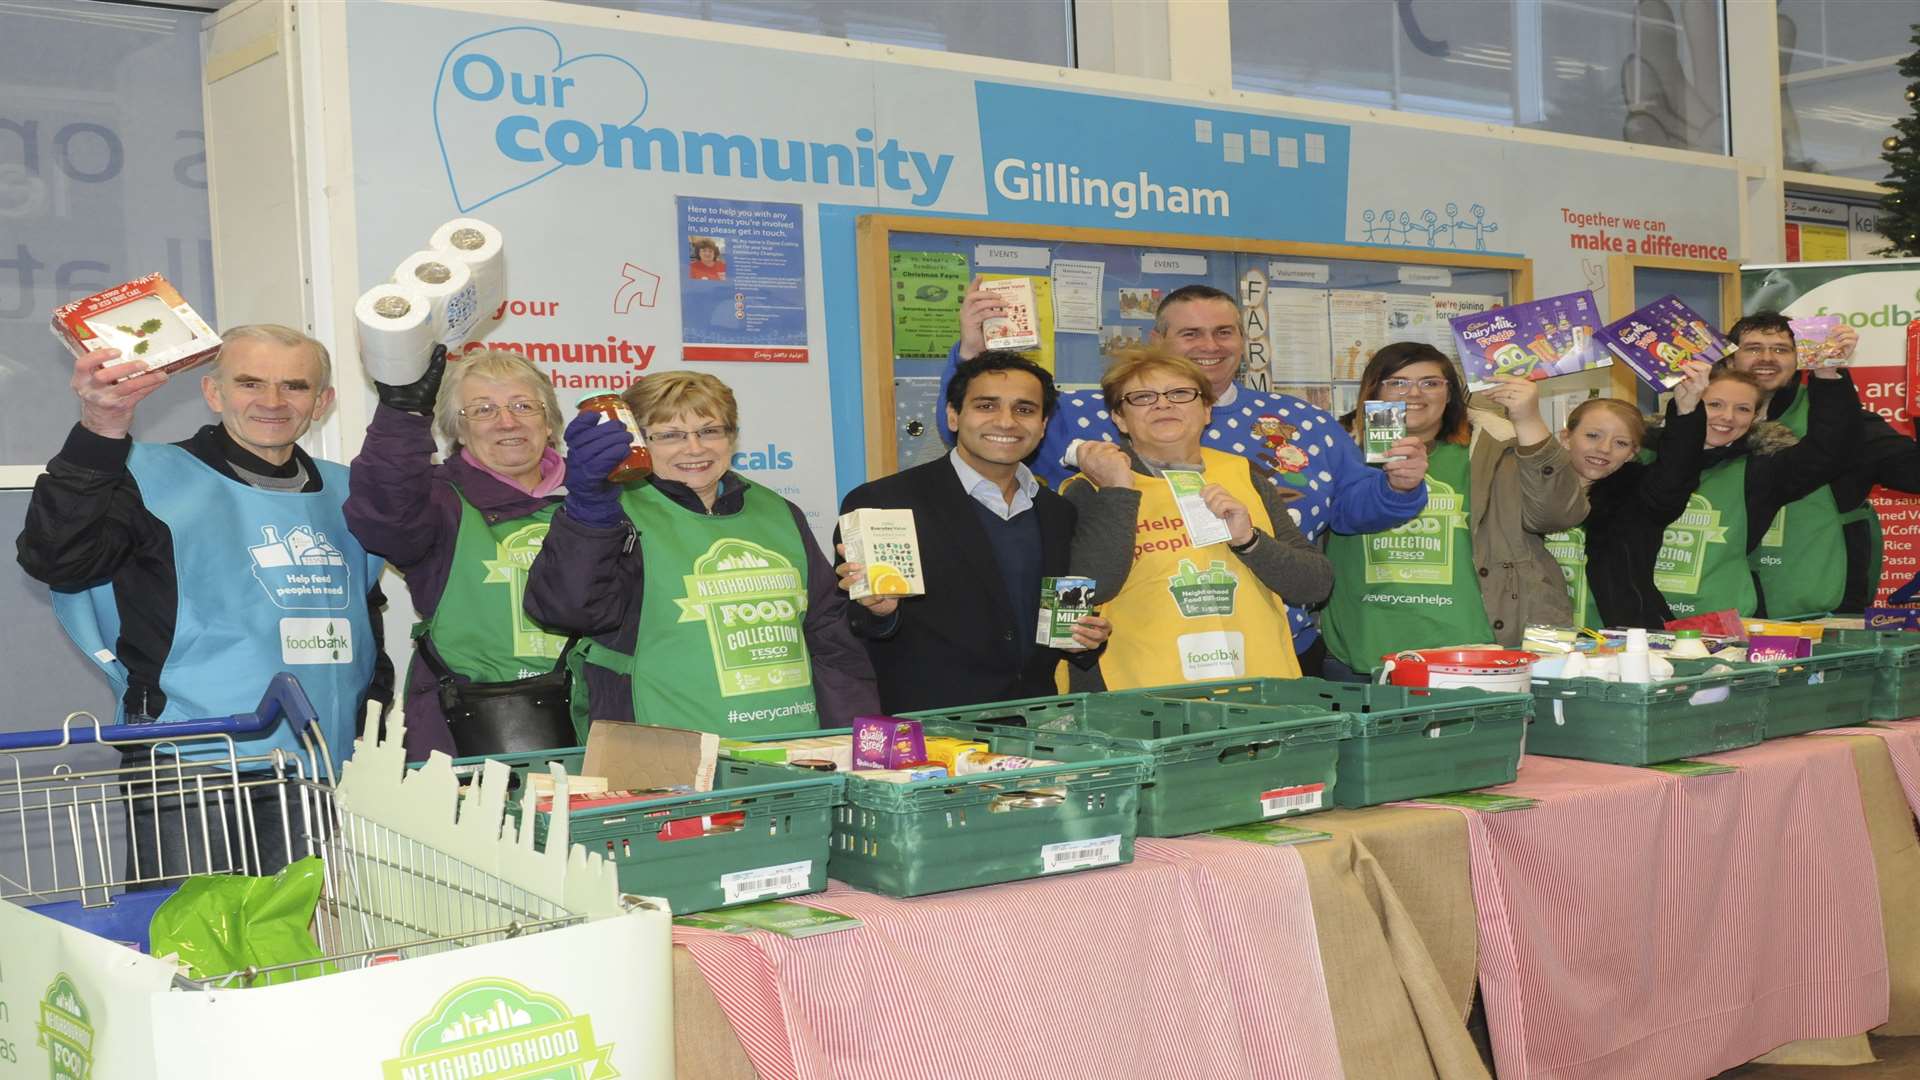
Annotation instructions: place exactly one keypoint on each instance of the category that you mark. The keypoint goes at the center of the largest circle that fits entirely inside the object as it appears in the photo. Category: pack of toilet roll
(442, 294)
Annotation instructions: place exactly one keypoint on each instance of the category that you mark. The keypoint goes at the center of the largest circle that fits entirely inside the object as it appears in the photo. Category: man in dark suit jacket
(988, 533)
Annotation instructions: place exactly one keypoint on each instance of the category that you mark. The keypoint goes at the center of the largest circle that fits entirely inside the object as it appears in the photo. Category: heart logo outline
(440, 81)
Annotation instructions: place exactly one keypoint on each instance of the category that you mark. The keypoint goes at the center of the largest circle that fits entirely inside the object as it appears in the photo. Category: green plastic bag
(221, 923)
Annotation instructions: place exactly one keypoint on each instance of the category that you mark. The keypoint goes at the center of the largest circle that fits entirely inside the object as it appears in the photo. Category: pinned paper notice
(1203, 131)
(1204, 527)
(1233, 147)
(1316, 149)
(1259, 143)
(1288, 152)
(1164, 262)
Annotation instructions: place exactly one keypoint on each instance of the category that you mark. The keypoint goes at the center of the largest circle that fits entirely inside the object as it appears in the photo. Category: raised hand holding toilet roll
(396, 333)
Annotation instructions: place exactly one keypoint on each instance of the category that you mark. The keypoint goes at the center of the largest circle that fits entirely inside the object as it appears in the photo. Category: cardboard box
(154, 328)
(1018, 329)
(884, 542)
(641, 756)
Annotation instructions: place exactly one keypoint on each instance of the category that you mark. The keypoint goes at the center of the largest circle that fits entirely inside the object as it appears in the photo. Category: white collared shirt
(988, 494)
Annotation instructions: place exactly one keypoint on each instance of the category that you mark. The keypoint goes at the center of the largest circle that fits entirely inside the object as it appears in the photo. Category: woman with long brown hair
(1473, 567)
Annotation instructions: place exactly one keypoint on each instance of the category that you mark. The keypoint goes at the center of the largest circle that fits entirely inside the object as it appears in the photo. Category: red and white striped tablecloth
(1638, 924)
(1199, 960)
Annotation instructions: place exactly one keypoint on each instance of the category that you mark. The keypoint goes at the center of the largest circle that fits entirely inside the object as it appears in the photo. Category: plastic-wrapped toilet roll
(481, 247)
(448, 283)
(396, 333)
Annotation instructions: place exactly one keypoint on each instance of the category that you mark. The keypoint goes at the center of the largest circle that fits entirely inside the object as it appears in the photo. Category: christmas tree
(1900, 217)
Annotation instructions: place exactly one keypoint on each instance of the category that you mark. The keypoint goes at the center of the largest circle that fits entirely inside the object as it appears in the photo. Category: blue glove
(593, 449)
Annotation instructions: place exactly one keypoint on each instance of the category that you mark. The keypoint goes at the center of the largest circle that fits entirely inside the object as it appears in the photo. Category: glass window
(1840, 88)
(103, 178)
(1641, 71)
(1038, 31)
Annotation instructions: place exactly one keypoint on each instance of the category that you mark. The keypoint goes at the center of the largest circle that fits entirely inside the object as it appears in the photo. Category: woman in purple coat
(485, 679)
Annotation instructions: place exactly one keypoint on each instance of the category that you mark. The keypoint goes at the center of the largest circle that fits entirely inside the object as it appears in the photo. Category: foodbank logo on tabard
(1201, 593)
(66, 1031)
(497, 1029)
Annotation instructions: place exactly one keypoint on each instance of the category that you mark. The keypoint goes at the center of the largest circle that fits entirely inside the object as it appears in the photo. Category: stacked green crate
(1213, 764)
(1402, 742)
(776, 846)
(947, 833)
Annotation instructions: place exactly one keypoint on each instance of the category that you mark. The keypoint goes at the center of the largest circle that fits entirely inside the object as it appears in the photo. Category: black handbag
(515, 717)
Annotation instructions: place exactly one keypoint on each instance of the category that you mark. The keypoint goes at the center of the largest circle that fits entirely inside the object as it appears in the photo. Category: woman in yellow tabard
(1474, 567)
(1181, 612)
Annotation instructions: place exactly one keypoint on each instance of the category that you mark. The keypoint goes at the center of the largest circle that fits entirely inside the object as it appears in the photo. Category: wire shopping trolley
(445, 947)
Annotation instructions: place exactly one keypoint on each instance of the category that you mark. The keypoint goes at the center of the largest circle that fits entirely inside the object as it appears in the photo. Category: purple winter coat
(586, 581)
(406, 509)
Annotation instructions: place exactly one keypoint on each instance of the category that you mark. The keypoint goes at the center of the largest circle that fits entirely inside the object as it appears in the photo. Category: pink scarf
(553, 471)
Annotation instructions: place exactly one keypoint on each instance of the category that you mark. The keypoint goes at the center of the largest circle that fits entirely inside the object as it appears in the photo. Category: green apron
(1798, 561)
(1413, 586)
(1702, 565)
(722, 641)
(480, 626)
(1569, 549)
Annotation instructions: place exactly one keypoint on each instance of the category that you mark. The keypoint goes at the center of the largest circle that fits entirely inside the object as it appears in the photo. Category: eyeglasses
(1179, 395)
(1427, 385)
(1758, 351)
(487, 411)
(714, 434)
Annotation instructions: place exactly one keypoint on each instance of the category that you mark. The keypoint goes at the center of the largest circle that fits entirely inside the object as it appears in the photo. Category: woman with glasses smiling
(710, 603)
(1182, 613)
(485, 679)
(1474, 567)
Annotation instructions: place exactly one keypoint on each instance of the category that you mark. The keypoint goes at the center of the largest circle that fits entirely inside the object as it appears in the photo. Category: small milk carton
(885, 543)
(1018, 329)
(147, 319)
(1386, 425)
(1063, 600)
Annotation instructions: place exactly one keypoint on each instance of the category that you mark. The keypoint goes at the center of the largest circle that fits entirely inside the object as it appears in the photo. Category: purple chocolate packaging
(1538, 339)
(1774, 648)
(887, 742)
(1657, 339)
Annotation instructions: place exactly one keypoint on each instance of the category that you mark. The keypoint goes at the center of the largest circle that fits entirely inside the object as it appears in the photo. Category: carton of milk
(885, 543)
(1386, 424)
(1063, 600)
(1017, 329)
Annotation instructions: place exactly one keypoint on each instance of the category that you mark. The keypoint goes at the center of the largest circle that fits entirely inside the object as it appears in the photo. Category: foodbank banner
(1878, 298)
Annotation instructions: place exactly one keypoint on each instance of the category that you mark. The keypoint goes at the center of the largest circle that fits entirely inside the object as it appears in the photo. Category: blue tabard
(267, 581)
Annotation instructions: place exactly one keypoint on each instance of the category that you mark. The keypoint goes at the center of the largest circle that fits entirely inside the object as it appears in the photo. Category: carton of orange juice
(885, 543)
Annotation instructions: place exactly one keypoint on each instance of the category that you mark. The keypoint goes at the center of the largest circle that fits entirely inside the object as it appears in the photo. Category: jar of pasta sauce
(638, 463)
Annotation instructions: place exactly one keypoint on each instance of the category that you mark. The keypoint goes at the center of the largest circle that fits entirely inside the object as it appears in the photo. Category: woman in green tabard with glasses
(1473, 567)
(711, 604)
(1748, 473)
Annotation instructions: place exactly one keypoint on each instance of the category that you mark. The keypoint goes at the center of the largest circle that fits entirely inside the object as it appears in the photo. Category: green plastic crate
(1646, 723)
(1213, 764)
(1896, 676)
(1402, 743)
(780, 849)
(1832, 688)
(957, 833)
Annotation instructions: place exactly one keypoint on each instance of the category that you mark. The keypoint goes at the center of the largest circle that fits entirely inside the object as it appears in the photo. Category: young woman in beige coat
(1473, 567)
